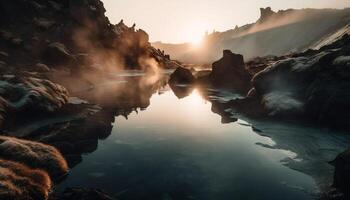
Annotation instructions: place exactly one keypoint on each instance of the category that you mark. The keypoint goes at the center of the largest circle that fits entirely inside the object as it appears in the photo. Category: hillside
(274, 33)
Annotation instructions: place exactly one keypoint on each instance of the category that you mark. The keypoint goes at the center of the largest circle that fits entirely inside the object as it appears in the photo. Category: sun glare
(195, 33)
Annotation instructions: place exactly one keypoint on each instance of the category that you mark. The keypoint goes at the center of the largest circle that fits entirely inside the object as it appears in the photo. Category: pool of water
(179, 149)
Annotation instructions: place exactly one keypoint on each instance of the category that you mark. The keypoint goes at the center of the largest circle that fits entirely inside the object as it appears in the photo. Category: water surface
(179, 149)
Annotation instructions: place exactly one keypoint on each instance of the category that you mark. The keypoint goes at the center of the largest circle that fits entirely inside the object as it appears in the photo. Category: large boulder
(230, 72)
(181, 76)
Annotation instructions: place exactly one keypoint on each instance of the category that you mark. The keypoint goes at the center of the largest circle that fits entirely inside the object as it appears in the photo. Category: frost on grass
(22, 183)
(33, 154)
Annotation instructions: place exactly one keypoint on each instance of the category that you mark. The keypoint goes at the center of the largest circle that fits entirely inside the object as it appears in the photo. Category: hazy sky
(179, 21)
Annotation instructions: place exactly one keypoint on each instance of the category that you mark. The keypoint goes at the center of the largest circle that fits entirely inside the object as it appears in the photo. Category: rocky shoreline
(311, 87)
(57, 66)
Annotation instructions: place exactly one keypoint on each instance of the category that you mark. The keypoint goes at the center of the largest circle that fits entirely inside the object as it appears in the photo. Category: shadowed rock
(229, 72)
(342, 172)
(56, 54)
(181, 76)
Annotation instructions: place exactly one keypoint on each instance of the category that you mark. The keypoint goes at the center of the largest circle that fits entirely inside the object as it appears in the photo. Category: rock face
(315, 86)
(57, 31)
(265, 14)
(311, 86)
(229, 72)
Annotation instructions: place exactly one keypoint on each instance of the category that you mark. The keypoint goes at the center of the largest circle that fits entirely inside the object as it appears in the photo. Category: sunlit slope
(274, 33)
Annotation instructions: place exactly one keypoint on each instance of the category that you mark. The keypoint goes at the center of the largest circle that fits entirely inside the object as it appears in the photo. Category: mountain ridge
(274, 33)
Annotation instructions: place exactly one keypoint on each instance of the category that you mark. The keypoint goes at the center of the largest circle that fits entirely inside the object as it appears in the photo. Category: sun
(197, 41)
(195, 33)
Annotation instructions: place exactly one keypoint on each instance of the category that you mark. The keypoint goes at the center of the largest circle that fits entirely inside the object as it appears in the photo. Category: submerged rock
(19, 182)
(33, 154)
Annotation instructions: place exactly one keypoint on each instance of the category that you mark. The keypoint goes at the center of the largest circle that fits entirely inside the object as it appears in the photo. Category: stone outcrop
(265, 14)
(312, 86)
(22, 93)
(229, 73)
(181, 76)
(57, 31)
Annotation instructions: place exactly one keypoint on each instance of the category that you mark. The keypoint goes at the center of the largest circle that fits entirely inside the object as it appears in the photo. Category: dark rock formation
(311, 86)
(181, 76)
(265, 14)
(56, 54)
(342, 172)
(229, 72)
(57, 31)
(315, 86)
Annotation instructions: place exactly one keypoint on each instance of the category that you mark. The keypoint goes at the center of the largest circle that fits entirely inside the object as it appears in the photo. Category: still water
(179, 149)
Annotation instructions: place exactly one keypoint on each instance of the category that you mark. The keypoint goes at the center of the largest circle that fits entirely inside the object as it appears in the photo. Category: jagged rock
(342, 172)
(19, 182)
(181, 76)
(265, 13)
(33, 154)
(81, 194)
(230, 72)
(57, 54)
